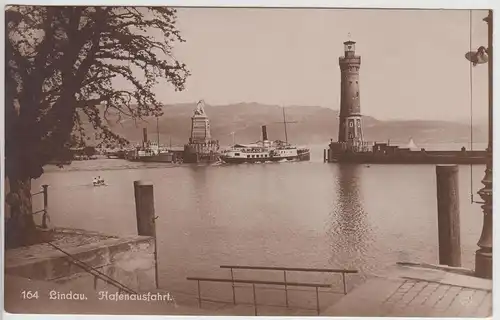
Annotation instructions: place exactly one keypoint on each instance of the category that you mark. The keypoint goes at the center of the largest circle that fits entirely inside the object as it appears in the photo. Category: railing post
(343, 281)
(45, 205)
(232, 284)
(448, 215)
(317, 300)
(199, 295)
(286, 289)
(145, 215)
(254, 299)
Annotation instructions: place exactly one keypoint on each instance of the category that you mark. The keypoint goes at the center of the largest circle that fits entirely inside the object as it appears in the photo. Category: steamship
(265, 151)
(200, 149)
(151, 151)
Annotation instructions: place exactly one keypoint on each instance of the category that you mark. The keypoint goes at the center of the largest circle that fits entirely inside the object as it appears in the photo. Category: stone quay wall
(130, 261)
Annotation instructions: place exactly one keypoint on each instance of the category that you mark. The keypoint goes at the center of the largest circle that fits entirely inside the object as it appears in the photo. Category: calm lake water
(307, 214)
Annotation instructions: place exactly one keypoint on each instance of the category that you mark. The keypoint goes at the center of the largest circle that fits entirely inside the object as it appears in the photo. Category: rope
(470, 106)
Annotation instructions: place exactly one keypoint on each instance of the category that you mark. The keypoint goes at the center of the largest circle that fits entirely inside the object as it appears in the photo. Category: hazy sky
(412, 61)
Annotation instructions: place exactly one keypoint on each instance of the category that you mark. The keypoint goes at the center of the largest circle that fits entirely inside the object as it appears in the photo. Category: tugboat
(266, 151)
(151, 151)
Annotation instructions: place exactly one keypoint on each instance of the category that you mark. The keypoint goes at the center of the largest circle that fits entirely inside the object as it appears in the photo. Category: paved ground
(418, 291)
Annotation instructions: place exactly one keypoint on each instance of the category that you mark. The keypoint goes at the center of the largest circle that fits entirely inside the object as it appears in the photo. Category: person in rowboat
(98, 181)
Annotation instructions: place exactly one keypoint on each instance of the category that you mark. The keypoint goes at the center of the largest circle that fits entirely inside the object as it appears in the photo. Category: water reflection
(201, 195)
(349, 230)
(198, 176)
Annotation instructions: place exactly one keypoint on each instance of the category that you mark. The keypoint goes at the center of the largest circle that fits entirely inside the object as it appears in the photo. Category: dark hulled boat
(151, 151)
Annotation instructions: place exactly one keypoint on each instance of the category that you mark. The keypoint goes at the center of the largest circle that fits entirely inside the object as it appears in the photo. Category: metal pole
(284, 122)
(286, 289)
(317, 300)
(45, 205)
(232, 278)
(484, 256)
(199, 295)
(156, 259)
(489, 20)
(157, 133)
(144, 137)
(343, 281)
(254, 299)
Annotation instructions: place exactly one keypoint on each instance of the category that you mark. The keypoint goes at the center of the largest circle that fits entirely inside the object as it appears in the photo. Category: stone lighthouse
(350, 128)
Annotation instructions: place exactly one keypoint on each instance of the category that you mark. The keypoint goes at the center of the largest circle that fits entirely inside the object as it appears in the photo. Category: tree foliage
(62, 66)
(62, 69)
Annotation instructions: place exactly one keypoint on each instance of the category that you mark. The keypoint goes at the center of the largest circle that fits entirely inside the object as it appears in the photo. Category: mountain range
(306, 125)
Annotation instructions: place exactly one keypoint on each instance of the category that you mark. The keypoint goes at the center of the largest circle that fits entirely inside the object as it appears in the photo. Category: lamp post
(484, 256)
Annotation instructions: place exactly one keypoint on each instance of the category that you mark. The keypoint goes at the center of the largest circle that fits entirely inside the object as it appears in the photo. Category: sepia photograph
(248, 161)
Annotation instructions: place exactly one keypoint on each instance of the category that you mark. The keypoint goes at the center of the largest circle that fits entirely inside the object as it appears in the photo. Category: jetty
(351, 146)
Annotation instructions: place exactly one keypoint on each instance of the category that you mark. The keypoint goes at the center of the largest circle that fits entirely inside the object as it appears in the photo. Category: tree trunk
(20, 229)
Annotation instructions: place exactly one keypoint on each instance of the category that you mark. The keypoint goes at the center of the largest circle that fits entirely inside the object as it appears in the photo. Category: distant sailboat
(412, 146)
